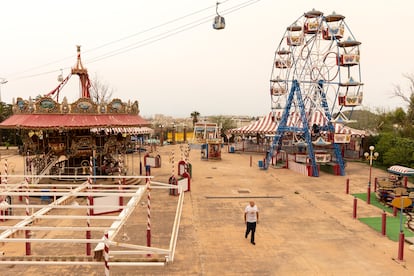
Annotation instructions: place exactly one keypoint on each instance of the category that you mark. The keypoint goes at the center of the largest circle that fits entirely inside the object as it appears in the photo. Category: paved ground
(306, 225)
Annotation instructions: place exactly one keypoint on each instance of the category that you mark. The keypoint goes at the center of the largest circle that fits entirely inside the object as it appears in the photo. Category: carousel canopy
(126, 130)
(71, 121)
(46, 113)
(266, 125)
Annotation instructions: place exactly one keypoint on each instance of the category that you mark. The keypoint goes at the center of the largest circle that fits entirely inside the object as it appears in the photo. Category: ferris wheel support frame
(282, 128)
(331, 129)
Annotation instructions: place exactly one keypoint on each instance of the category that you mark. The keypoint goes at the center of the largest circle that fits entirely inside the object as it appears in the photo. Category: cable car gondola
(219, 22)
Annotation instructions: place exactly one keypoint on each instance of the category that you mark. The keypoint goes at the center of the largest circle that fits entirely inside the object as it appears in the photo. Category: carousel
(61, 137)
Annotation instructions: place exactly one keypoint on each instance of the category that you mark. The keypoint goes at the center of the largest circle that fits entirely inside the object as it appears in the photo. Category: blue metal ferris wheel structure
(315, 77)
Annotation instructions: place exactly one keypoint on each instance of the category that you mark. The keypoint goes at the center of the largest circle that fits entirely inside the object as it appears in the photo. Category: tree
(100, 92)
(195, 115)
(5, 112)
(225, 123)
(408, 97)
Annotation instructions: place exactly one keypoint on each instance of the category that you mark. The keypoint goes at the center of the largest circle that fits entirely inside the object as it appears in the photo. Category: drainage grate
(243, 191)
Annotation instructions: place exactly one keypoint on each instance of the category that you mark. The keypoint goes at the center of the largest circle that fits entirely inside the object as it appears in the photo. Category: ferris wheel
(315, 77)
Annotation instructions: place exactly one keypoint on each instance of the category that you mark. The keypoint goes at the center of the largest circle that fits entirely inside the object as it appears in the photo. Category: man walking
(251, 218)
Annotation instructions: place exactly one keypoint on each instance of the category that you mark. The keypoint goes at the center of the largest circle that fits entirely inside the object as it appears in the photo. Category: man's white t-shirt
(251, 213)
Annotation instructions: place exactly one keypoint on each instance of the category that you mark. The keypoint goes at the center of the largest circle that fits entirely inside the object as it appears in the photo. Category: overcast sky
(197, 68)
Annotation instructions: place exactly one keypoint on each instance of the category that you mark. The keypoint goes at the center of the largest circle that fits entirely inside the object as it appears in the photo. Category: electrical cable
(144, 42)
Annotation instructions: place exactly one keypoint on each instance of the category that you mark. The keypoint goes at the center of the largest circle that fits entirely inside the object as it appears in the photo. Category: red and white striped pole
(121, 199)
(6, 173)
(89, 202)
(172, 163)
(106, 253)
(172, 170)
(2, 198)
(148, 213)
(188, 153)
(27, 231)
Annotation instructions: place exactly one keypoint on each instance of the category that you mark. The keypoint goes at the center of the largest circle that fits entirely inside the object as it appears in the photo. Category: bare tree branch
(101, 92)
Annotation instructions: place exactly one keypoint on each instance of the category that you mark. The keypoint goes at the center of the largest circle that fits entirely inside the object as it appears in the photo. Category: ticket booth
(152, 161)
(211, 149)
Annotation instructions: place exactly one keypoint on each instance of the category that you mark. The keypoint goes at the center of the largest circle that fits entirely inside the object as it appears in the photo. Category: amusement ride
(315, 77)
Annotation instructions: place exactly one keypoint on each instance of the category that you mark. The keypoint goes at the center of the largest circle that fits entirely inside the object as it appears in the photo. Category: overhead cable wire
(169, 33)
(144, 42)
(107, 44)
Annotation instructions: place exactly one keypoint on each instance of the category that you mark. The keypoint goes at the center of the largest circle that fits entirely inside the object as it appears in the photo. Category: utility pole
(2, 81)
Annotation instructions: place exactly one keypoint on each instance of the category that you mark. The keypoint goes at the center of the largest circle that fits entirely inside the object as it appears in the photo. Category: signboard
(401, 202)
(342, 138)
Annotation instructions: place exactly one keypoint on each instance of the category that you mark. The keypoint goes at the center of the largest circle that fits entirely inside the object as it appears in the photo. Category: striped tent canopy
(125, 130)
(401, 170)
(266, 125)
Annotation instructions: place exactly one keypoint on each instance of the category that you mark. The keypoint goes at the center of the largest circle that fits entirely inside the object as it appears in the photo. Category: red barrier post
(347, 186)
(251, 161)
(28, 245)
(401, 246)
(354, 213)
(394, 211)
(20, 194)
(375, 184)
(384, 224)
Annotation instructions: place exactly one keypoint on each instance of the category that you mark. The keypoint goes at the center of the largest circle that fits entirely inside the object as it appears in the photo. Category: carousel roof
(72, 121)
(47, 113)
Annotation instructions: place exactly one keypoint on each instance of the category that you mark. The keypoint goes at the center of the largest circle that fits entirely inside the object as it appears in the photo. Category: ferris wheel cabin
(277, 87)
(335, 27)
(295, 35)
(311, 25)
(283, 59)
(349, 52)
(350, 93)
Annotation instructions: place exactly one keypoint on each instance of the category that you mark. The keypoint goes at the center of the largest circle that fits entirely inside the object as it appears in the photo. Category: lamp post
(173, 134)
(2, 81)
(162, 135)
(184, 133)
(370, 156)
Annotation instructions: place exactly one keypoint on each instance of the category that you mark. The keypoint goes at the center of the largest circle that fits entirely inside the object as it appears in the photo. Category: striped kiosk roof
(266, 124)
(401, 170)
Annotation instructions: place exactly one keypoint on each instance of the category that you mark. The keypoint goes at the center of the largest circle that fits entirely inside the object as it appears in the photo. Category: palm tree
(195, 115)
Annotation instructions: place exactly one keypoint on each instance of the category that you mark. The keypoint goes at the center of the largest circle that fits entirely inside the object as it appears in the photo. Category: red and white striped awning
(266, 125)
(124, 130)
(401, 170)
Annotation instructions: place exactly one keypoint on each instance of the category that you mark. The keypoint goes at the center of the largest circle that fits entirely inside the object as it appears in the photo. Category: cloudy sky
(166, 55)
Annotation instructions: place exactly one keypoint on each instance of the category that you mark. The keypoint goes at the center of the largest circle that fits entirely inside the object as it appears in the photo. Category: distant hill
(365, 120)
